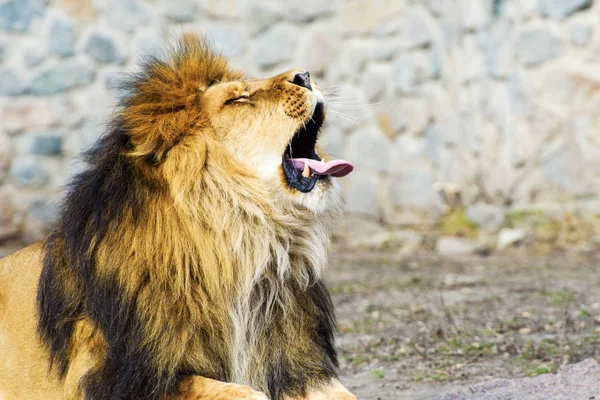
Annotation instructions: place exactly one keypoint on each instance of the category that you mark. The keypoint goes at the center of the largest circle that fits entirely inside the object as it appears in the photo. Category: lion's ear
(162, 104)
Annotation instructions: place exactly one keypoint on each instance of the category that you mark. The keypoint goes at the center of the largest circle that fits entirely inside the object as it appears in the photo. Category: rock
(126, 15)
(363, 16)
(370, 149)
(17, 117)
(306, 10)
(332, 140)
(11, 217)
(60, 76)
(455, 246)
(27, 172)
(260, 17)
(2, 51)
(416, 30)
(11, 83)
(413, 187)
(83, 10)
(275, 45)
(34, 55)
(575, 381)
(317, 50)
(44, 212)
(375, 80)
(476, 13)
(102, 48)
(409, 149)
(558, 9)
(182, 10)
(580, 34)
(390, 117)
(50, 144)
(508, 237)
(454, 281)
(17, 15)
(405, 241)
(390, 27)
(361, 190)
(232, 9)
(229, 41)
(62, 37)
(537, 45)
(405, 77)
(5, 154)
(486, 216)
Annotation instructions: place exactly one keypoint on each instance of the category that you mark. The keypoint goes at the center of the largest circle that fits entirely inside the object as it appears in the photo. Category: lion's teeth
(323, 160)
(306, 172)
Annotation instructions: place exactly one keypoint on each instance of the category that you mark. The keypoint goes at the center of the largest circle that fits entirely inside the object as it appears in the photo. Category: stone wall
(491, 104)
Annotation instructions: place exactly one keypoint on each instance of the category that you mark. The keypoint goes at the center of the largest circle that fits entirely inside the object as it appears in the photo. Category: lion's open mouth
(301, 165)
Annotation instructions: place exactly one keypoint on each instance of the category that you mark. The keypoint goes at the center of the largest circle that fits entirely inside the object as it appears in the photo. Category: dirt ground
(417, 327)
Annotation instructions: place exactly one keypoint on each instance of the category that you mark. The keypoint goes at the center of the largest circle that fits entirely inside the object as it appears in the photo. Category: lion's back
(24, 362)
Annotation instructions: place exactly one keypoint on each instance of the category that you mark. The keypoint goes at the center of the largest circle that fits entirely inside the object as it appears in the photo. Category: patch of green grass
(561, 297)
(456, 223)
(378, 374)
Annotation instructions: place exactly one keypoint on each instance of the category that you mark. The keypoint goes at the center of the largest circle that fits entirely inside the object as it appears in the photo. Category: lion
(188, 257)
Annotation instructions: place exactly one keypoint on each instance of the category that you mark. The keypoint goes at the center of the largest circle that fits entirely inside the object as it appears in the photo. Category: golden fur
(182, 260)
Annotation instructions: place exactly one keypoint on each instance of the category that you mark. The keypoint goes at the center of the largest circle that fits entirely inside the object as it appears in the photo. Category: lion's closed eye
(239, 99)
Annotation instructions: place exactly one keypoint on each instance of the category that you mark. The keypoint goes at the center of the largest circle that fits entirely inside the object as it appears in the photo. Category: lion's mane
(175, 255)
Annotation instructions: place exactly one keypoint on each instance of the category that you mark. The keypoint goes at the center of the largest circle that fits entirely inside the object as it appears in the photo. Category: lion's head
(269, 126)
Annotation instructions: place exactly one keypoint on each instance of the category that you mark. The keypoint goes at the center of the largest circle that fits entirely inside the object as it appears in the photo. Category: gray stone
(11, 216)
(2, 51)
(332, 140)
(28, 172)
(508, 237)
(575, 381)
(580, 34)
(559, 9)
(371, 149)
(17, 15)
(44, 212)
(361, 191)
(455, 246)
(6, 150)
(11, 83)
(34, 56)
(476, 13)
(486, 216)
(125, 15)
(390, 117)
(413, 186)
(50, 144)
(182, 10)
(405, 78)
(375, 79)
(260, 17)
(318, 49)
(410, 149)
(62, 37)
(537, 45)
(229, 41)
(61, 76)
(390, 27)
(416, 30)
(102, 48)
(432, 136)
(275, 45)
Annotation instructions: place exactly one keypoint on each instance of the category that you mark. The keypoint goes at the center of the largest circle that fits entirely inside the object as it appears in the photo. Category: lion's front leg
(332, 391)
(200, 388)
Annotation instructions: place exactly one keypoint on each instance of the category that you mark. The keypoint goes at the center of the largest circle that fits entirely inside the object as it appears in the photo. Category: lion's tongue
(335, 168)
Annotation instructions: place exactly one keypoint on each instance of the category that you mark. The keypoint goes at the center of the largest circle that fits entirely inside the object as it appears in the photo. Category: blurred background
(473, 126)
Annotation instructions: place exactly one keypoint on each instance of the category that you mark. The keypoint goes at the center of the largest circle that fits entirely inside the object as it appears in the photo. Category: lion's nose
(303, 80)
